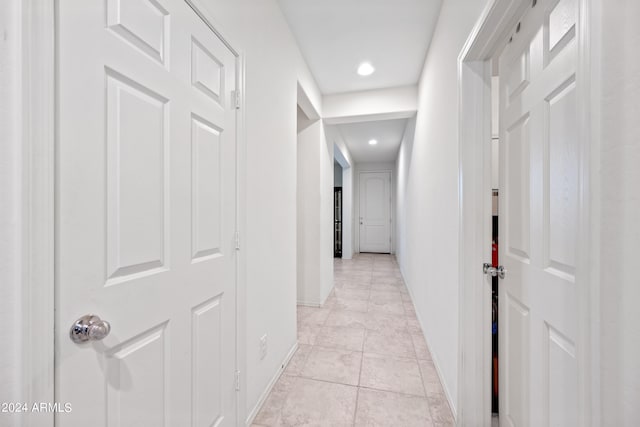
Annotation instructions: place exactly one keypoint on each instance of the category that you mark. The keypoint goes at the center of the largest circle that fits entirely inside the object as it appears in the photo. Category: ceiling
(388, 133)
(335, 36)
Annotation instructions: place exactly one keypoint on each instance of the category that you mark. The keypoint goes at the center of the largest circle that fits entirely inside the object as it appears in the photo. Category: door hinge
(237, 380)
(236, 99)
(237, 240)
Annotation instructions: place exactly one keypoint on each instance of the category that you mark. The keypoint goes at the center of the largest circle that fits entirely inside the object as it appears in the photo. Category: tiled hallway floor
(362, 359)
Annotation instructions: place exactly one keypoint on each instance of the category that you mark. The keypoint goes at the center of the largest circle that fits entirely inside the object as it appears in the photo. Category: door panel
(515, 393)
(517, 138)
(144, 24)
(206, 375)
(205, 187)
(146, 215)
(137, 380)
(375, 212)
(540, 182)
(562, 215)
(137, 209)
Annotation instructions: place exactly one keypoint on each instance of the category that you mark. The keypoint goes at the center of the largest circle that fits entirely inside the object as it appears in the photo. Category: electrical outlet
(263, 346)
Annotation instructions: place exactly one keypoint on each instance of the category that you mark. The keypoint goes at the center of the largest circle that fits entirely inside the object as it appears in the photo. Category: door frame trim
(38, 126)
(39, 145)
(474, 106)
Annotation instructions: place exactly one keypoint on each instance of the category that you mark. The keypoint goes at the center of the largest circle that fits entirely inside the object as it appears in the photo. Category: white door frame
(39, 138)
(474, 105)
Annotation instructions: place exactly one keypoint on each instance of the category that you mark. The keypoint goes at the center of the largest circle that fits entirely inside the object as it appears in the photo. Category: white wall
(347, 213)
(10, 224)
(337, 174)
(314, 215)
(428, 185)
(403, 163)
(378, 104)
(274, 68)
(326, 211)
(373, 167)
(618, 176)
(308, 217)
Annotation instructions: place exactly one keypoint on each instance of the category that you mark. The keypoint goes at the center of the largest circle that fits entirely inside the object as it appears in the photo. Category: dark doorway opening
(337, 222)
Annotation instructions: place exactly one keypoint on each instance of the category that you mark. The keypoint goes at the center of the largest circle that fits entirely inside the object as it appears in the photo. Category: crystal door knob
(89, 328)
(492, 271)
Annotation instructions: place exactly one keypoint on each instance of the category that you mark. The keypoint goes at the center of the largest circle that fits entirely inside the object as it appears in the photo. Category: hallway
(362, 358)
(178, 176)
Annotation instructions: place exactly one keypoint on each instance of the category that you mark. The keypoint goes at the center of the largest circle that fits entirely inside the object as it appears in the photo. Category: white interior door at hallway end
(540, 164)
(146, 216)
(375, 212)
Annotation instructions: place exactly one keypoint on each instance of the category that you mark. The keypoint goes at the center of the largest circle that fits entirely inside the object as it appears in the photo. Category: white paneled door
(375, 212)
(146, 216)
(540, 166)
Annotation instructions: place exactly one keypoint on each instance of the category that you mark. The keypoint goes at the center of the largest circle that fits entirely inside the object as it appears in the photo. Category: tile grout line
(313, 346)
(401, 393)
(355, 411)
(327, 381)
(364, 338)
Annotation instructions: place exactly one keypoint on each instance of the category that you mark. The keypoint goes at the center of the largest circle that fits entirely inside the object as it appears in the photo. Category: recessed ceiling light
(366, 69)
(373, 142)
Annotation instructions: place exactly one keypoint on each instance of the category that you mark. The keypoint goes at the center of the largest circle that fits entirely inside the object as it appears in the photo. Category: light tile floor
(362, 359)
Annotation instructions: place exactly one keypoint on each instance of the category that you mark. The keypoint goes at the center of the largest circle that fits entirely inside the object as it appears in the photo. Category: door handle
(89, 328)
(492, 271)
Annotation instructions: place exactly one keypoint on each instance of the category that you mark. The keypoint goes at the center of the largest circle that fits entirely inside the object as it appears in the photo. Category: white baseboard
(315, 304)
(309, 304)
(447, 393)
(263, 397)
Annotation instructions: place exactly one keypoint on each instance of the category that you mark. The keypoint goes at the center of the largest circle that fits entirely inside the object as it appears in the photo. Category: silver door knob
(492, 271)
(89, 328)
